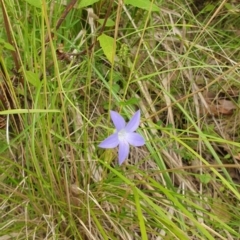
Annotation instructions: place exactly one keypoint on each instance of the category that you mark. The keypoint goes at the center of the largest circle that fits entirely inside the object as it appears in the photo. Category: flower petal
(110, 142)
(135, 139)
(133, 123)
(118, 120)
(123, 151)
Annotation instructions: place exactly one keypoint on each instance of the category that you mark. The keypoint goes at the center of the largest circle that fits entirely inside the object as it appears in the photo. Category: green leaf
(109, 23)
(160, 123)
(9, 46)
(35, 3)
(205, 178)
(228, 156)
(140, 214)
(33, 78)
(229, 6)
(143, 4)
(19, 111)
(85, 3)
(208, 8)
(131, 101)
(116, 88)
(107, 45)
(6, 45)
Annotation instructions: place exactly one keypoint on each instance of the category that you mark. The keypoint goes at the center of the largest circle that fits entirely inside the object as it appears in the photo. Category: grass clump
(64, 66)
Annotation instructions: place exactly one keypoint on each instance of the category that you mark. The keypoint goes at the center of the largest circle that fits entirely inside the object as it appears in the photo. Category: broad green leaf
(9, 46)
(85, 3)
(107, 45)
(205, 178)
(131, 101)
(35, 3)
(116, 88)
(33, 78)
(109, 23)
(229, 6)
(208, 8)
(6, 45)
(143, 4)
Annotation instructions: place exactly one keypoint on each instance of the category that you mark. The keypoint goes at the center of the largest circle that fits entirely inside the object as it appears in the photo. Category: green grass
(179, 66)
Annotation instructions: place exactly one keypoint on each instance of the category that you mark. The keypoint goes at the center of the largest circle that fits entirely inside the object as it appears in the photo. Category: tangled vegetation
(65, 65)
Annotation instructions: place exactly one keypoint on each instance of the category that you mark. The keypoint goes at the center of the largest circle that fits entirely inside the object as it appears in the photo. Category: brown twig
(63, 16)
(68, 8)
(65, 13)
(100, 32)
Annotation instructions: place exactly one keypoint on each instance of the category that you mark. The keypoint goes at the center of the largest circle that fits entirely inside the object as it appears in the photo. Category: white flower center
(122, 135)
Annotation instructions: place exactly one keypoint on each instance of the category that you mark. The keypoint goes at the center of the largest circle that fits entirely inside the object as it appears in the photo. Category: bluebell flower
(124, 135)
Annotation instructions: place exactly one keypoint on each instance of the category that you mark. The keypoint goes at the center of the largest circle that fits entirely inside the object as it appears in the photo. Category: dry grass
(180, 66)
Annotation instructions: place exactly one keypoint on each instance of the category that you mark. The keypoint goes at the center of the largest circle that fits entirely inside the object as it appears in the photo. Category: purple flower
(123, 135)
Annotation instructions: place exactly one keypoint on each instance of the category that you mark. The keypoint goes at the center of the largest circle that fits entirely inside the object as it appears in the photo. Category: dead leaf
(225, 107)
(217, 106)
(209, 96)
(237, 157)
(2, 122)
(75, 190)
